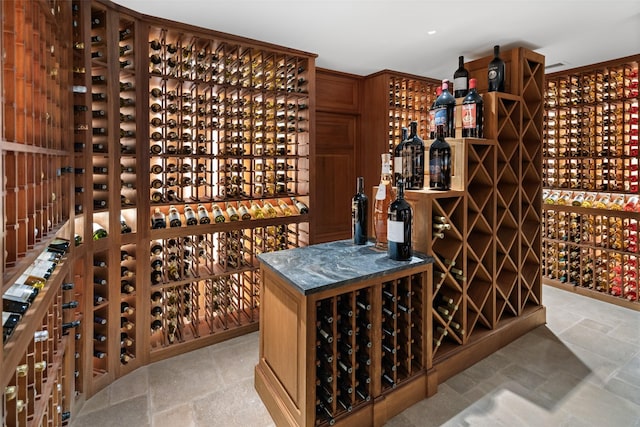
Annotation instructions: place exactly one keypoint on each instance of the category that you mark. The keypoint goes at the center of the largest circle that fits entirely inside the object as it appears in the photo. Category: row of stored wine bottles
(345, 351)
(591, 161)
(601, 270)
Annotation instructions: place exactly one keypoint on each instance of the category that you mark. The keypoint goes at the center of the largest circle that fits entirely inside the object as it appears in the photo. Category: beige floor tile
(131, 385)
(179, 416)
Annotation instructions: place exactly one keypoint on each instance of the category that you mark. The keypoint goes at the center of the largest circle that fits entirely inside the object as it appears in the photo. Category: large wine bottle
(359, 214)
(415, 146)
(496, 72)
(472, 113)
(432, 115)
(440, 162)
(399, 227)
(445, 107)
(384, 196)
(460, 80)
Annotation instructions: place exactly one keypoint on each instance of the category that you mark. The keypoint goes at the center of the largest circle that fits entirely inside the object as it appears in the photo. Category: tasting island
(343, 334)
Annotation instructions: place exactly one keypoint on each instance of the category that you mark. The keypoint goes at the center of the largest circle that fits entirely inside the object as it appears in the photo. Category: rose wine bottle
(384, 196)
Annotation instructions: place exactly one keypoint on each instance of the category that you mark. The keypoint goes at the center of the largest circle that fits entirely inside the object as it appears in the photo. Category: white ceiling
(366, 36)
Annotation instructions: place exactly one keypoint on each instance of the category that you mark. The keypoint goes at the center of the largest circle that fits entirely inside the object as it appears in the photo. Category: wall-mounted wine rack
(590, 173)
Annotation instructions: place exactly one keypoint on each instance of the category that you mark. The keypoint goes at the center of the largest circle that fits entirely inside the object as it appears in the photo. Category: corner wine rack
(114, 123)
(591, 181)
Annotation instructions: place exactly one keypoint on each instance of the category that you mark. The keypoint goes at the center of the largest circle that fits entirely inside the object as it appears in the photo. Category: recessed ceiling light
(431, 32)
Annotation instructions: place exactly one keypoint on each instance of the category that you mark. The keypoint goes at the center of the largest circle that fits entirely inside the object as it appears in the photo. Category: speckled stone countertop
(316, 268)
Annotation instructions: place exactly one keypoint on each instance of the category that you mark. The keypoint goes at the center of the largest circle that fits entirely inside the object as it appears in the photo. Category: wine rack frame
(590, 125)
(73, 143)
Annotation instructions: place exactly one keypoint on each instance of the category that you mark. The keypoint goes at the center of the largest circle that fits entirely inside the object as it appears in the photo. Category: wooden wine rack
(79, 139)
(591, 149)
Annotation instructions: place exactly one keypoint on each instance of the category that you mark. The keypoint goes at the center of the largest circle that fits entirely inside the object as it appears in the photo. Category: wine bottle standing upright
(400, 154)
(432, 115)
(440, 162)
(445, 108)
(384, 196)
(359, 214)
(415, 146)
(496, 72)
(399, 227)
(460, 80)
(472, 113)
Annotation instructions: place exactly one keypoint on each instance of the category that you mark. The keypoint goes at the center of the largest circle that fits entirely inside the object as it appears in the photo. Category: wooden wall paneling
(337, 92)
(336, 174)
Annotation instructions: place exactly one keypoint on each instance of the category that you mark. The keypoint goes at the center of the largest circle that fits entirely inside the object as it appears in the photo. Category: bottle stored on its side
(384, 196)
(401, 169)
(445, 107)
(415, 147)
(399, 222)
(496, 71)
(359, 214)
(99, 231)
(472, 113)
(460, 80)
(440, 162)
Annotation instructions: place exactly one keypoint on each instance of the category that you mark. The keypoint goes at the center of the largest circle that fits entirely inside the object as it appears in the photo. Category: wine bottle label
(381, 193)
(395, 231)
(468, 116)
(460, 83)
(441, 116)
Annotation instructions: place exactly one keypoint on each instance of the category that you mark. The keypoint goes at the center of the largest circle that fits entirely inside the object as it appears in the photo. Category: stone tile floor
(581, 369)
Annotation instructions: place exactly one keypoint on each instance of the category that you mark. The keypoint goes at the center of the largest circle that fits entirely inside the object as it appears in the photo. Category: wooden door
(335, 174)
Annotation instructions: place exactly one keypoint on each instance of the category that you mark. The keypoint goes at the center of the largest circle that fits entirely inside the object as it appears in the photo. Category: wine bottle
(445, 111)
(124, 227)
(384, 196)
(401, 156)
(496, 72)
(190, 215)
(399, 227)
(203, 215)
(415, 148)
(472, 113)
(359, 214)
(218, 216)
(432, 114)
(232, 213)
(302, 208)
(126, 308)
(440, 161)
(158, 220)
(99, 231)
(174, 217)
(460, 79)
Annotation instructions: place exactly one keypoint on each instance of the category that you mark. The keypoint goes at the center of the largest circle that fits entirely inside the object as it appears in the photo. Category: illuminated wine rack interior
(36, 201)
(590, 176)
(409, 100)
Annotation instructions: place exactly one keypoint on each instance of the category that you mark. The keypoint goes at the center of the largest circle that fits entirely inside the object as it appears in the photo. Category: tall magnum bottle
(496, 71)
(415, 146)
(440, 162)
(445, 107)
(359, 214)
(399, 227)
(384, 196)
(460, 80)
(472, 113)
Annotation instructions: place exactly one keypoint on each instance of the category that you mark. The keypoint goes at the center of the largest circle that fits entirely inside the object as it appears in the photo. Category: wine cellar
(163, 183)
(591, 181)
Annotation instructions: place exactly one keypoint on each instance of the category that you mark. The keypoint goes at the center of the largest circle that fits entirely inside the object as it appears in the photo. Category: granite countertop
(315, 268)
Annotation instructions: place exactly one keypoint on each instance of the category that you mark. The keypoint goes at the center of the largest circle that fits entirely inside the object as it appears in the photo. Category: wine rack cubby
(590, 177)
